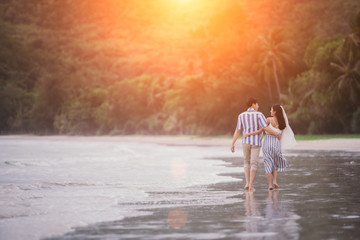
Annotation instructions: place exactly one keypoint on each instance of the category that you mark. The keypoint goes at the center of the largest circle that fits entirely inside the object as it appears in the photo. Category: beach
(153, 187)
(336, 144)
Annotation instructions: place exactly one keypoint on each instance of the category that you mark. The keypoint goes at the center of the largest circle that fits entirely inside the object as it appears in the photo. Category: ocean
(47, 187)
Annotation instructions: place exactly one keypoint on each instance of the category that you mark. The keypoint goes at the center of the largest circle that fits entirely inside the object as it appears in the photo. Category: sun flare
(184, 1)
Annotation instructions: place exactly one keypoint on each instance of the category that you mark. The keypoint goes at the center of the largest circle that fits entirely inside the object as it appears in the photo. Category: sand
(315, 199)
(217, 211)
(352, 145)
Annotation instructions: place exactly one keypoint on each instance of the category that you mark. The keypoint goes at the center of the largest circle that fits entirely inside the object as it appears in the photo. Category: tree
(348, 64)
(274, 53)
(348, 82)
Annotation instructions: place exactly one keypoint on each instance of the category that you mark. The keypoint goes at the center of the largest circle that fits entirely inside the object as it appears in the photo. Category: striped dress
(273, 158)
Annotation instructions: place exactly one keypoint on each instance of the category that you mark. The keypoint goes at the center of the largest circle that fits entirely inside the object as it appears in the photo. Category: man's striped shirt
(251, 121)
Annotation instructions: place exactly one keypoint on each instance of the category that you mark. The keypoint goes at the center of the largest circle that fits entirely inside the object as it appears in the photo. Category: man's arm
(264, 123)
(236, 136)
(272, 132)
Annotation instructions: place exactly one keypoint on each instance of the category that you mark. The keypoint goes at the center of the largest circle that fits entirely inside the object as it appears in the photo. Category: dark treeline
(159, 67)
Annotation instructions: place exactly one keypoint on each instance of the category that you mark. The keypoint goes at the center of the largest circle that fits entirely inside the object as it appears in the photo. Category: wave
(8, 163)
(14, 164)
(47, 185)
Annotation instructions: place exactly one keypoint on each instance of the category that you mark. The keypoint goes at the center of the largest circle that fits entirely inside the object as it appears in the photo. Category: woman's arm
(253, 133)
(258, 131)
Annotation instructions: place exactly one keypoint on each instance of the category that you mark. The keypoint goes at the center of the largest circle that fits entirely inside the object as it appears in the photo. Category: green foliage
(320, 52)
(325, 99)
(148, 67)
(355, 121)
(325, 136)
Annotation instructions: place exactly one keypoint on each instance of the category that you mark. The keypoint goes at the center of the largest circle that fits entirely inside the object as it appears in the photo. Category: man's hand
(236, 136)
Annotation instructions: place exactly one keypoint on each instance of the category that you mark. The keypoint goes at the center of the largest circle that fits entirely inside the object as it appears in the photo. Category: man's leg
(247, 177)
(254, 159)
(252, 179)
(247, 153)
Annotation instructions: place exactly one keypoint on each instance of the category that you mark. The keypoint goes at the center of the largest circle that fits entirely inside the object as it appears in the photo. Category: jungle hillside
(115, 67)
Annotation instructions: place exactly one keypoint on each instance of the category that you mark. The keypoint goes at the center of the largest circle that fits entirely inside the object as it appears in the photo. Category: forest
(116, 67)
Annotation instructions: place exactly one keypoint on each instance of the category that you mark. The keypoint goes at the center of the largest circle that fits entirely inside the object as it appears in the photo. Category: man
(251, 121)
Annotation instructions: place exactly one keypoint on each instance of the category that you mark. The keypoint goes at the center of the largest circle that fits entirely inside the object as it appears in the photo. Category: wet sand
(318, 199)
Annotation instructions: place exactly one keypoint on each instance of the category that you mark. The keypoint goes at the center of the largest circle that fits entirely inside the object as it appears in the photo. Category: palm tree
(349, 76)
(348, 63)
(265, 72)
(274, 53)
(352, 41)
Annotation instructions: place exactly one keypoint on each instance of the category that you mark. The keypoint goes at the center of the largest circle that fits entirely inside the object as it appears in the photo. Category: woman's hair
(279, 115)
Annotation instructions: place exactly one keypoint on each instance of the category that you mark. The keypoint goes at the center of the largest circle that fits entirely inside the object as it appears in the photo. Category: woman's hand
(245, 135)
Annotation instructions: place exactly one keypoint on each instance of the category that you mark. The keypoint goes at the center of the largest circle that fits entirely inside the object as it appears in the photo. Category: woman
(274, 161)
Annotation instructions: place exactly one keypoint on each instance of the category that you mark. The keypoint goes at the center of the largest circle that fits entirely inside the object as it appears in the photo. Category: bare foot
(246, 187)
(251, 189)
(271, 188)
(276, 185)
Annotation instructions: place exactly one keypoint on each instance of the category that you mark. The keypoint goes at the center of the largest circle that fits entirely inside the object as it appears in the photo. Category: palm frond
(342, 83)
(338, 67)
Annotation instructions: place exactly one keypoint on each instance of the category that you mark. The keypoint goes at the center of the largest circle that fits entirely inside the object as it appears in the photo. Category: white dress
(273, 158)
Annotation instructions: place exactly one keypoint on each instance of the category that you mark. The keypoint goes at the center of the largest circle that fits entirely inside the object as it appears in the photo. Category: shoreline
(90, 180)
(244, 215)
(336, 144)
(204, 208)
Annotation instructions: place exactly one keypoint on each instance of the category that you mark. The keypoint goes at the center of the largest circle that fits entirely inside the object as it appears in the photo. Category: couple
(278, 135)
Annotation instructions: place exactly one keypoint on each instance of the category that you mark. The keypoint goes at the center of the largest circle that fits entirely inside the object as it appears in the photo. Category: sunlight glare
(184, 1)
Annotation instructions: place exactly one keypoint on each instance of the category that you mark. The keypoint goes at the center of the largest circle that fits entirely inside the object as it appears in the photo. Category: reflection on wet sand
(177, 218)
(268, 218)
(252, 212)
(272, 204)
(250, 204)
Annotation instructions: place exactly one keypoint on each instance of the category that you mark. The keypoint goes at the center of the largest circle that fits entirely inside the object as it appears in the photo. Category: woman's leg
(275, 178)
(268, 159)
(269, 180)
